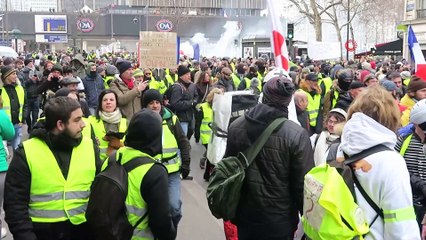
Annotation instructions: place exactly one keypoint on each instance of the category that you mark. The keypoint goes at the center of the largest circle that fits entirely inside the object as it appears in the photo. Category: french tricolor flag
(416, 54)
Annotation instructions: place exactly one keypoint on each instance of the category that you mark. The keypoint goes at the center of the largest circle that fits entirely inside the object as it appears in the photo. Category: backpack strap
(359, 156)
(251, 153)
(136, 162)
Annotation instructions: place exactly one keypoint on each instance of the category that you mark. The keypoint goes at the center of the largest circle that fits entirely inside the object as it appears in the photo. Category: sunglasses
(147, 73)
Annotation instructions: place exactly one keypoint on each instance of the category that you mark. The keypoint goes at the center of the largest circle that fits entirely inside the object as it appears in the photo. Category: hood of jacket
(362, 132)
(166, 113)
(260, 117)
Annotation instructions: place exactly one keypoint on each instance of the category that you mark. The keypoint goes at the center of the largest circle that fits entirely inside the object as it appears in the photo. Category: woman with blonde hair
(373, 120)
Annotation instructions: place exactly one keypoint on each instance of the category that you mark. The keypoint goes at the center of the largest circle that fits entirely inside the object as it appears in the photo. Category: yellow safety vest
(170, 157)
(260, 77)
(236, 79)
(99, 130)
(170, 80)
(328, 83)
(6, 101)
(52, 197)
(313, 108)
(158, 85)
(248, 83)
(205, 129)
(135, 204)
(405, 144)
(108, 79)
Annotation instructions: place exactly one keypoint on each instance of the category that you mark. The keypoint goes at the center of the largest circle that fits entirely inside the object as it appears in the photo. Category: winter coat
(129, 100)
(183, 99)
(387, 183)
(93, 86)
(272, 192)
(7, 132)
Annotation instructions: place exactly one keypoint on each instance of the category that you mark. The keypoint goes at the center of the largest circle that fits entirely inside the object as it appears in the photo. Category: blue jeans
(17, 138)
(185, 126)
(174, 197)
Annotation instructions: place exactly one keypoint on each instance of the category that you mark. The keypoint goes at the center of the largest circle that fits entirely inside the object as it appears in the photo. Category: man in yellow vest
(49, 179)
(13, 96)
(175, 147)
(147, 191)
(313, 91)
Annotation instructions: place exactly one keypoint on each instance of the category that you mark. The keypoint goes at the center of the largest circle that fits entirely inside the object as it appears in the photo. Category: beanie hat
(57, 67)
(144, 132)
(340, 111)
(277, 92)
(311, 77)
(6, 71)
(100, 69)
(405, 75)
(356, 85)
(345, 78)
(111, 70)
(418, 112)
(388, 85)
(415, 84)
(27, 60)
(123, 66)
(137, 73)
(7, 61)
(363, 75)
(62, 92)
(151, 95)
(182, 70)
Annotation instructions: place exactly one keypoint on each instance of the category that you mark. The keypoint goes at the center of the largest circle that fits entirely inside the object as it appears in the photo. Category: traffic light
(290, 30)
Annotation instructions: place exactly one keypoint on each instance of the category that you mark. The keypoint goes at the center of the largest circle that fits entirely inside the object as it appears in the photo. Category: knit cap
(137, 73)
(6, 71)
(416, 84)
(151, 95)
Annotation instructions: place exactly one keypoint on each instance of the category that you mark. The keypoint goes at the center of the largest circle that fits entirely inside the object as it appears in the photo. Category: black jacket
(183, 99)
(272, 193)
(18, 185)
(344, 101)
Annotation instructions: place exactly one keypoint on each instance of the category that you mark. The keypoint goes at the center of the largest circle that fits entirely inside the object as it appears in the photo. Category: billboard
(157, 49)
(51, 38)
(50, 23)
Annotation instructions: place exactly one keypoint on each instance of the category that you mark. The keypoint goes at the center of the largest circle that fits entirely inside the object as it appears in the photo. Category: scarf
(323, 143)
(129, 83)
(111, 117)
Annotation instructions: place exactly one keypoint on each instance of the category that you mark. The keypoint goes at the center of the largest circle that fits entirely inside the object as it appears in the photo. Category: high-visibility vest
(99, 130)
(328, 83)
(87, 130)
(313, 108)
(248, 83)
(6, 101)
(135, 204)
(260, 77)
(405, 144)
(107, 79)
(205, 129)
(236, 79)
(170, 157)
(232, 65)
(52, 197)
(158, 85)
(170, 80)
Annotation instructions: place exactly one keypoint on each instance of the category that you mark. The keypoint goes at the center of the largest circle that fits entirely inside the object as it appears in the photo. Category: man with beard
(49, 179)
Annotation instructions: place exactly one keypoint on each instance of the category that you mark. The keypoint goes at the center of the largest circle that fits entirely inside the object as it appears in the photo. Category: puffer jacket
(93, 86)
(272, 193)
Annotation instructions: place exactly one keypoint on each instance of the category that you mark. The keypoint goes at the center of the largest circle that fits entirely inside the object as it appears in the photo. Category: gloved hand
(184, 172)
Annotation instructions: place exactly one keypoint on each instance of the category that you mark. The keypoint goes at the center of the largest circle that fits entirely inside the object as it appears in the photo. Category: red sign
(85, 25)
(351, 45)
(164, 25)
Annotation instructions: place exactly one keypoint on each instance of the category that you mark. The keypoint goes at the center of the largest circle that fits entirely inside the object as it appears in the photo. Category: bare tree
(313, 10)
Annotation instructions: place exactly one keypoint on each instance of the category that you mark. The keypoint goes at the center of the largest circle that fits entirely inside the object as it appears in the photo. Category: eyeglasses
(227, 74)
(332, 122)
(147, 73)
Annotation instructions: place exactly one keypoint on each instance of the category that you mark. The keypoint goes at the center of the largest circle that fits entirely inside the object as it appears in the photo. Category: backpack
(106, 212)
(226, 181)
(330, 210)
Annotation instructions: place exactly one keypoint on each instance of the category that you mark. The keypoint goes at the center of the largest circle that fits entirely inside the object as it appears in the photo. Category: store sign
(50, 23)
(51, 38)
(85, 25)
(164, 25)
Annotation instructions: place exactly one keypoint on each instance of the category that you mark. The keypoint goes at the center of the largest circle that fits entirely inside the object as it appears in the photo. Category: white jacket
(387, 182)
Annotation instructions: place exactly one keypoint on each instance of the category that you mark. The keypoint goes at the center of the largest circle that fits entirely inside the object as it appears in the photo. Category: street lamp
(16, 33)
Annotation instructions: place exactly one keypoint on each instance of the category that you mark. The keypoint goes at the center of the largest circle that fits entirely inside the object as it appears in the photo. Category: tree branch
(329, 6)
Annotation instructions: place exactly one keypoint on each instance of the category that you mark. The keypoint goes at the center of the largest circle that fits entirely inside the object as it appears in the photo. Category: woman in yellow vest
(175, 147)
(205, 128)
(108, 124)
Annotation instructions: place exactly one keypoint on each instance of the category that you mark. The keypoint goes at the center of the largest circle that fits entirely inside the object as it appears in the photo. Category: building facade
(415, 15)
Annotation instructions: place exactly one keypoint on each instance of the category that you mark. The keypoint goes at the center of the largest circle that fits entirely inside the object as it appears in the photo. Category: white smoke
(224, 47)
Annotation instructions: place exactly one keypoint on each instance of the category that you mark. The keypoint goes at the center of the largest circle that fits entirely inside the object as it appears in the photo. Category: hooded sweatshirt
(387, 183)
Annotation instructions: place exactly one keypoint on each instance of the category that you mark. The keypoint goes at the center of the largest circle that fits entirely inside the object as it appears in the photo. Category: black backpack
(106, 212)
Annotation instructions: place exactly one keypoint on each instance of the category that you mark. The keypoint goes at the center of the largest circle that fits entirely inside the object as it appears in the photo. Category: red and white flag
(277, 38)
